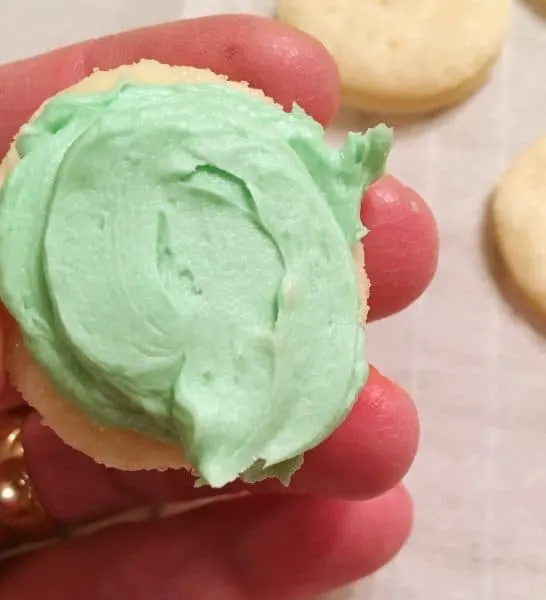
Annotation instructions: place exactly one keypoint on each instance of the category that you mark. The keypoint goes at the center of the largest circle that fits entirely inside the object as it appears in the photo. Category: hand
(344, 516)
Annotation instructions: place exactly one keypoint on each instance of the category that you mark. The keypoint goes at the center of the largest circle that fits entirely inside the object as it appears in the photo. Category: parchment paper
(471, 354)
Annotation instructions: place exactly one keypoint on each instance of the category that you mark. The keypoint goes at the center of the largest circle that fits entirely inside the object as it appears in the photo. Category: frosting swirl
(178, 261)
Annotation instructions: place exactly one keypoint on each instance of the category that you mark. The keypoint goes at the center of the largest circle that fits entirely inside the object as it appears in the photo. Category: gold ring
(23, 519)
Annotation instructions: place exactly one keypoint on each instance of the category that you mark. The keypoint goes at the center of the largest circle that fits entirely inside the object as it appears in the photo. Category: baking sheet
(470, 353)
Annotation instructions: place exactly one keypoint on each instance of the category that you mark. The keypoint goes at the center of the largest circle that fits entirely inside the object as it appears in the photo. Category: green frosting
(178, 260)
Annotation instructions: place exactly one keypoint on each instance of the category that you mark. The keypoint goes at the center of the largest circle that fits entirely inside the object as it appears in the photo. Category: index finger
(286, 64)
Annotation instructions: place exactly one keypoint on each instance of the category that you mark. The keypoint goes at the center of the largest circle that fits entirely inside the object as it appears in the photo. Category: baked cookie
(519, 221)
(405, 56)
(182, 262)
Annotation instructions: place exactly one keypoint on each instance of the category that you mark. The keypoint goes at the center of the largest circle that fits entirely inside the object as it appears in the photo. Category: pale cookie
(405, 56)
(519, 220)
(117, 448)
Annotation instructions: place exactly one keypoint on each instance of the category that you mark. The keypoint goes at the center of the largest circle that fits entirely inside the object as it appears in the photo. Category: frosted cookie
(519, 219)
(182, 260)
(405, 56)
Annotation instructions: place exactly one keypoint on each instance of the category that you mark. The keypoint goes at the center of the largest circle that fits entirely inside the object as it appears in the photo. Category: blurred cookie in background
(405, 56)
(519, 222)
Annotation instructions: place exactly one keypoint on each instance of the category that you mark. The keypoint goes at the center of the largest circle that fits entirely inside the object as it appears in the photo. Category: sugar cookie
(405, 56)
(173, 296)
(519, 221)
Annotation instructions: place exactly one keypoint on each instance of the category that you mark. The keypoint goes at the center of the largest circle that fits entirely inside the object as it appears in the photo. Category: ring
(23, 518)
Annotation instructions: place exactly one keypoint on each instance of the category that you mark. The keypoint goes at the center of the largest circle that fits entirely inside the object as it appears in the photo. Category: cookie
(48, 351)
(519, 222)
(405, 56)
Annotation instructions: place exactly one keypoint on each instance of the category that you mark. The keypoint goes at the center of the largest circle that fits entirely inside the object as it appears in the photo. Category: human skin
(345, 514)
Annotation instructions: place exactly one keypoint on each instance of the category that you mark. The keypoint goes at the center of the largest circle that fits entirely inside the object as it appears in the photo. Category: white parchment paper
(469, 352)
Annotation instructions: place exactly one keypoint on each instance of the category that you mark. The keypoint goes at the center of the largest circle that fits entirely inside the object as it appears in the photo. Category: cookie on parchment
(405, 56)
(519, 221)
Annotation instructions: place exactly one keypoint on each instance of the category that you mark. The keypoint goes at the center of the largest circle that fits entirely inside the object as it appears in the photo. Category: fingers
(371, 451)
(10, 398)
(287, 64)
(2, 369)
(260, 547)
(401, 246)
(368, 454)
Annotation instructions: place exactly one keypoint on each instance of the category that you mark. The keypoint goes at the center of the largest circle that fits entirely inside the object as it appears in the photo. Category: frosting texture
(178, 259)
